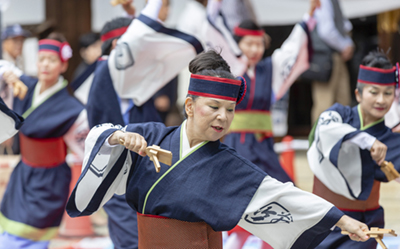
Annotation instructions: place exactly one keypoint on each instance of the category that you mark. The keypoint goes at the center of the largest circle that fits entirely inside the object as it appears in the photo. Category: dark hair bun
(209, 60)
(377, 59)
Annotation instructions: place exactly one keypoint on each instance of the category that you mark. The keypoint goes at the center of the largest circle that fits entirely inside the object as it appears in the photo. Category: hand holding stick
(378, 153)
(20, 89)
(156, 155)
(377, 234)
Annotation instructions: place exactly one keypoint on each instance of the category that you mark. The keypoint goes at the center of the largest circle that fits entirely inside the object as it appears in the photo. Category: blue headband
(377, 76)
(216, 87)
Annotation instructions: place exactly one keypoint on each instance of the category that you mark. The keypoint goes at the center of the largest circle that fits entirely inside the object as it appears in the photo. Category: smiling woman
(209, 187)
(34, 202)
(350, 143)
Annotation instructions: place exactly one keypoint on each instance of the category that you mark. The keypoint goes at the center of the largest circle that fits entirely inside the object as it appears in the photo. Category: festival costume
(339, 156)
(147, 56)
(35, 198)
(251, 129)
(209, 187)
(10, 122)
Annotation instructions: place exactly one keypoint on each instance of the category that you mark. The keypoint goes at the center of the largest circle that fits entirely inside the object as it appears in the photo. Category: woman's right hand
(356, 228)
(9, 77)
(132, 141)
(20, 89)
(378, 151)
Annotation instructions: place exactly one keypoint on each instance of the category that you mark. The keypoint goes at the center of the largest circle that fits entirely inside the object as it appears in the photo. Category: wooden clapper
(157, 155)
(377, 234)
(19, 89)
(389, 170)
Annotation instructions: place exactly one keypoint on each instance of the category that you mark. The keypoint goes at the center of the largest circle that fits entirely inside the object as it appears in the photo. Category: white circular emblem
(66, 52)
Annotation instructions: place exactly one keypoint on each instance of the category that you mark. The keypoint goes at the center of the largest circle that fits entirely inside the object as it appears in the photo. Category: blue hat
(216, 87)
(14, 31)
(378, 76)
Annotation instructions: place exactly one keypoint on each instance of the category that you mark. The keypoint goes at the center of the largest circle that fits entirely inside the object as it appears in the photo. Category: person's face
(253, 48)
(375, 101)
(211, 117)
(50, 67)
(164, 10)
(13, 46)
(92, 52)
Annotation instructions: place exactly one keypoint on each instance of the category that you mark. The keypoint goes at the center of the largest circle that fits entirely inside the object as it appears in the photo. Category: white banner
(286, 12)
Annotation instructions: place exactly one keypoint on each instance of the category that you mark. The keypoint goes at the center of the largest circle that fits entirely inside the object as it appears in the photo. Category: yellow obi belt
(252, 121)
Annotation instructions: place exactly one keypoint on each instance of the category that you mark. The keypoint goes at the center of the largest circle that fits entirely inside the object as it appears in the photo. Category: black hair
(209, 63)
(246, 24)
(111, 25)
(88, 39)
(375, 59)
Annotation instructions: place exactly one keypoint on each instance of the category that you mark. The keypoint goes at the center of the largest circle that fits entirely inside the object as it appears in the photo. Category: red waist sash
(344, 204)
(161, 232)
(42, 153)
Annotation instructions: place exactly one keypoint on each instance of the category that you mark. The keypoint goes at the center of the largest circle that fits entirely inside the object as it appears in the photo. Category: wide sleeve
(292, 58)
(10, 122)
(6, 91)
(104, 173)
(147, 56)
(8, 66)
(392, 118)
(287, 217)
(216, 35)
(336, 158)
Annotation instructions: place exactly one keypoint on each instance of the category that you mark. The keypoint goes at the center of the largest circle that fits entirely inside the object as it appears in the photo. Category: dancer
(349, 143)
(10, 122)
(139, 57)
(268, 80)
(35, 198)
(209, 186)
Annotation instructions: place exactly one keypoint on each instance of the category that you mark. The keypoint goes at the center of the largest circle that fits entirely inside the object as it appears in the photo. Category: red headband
(62, 49)
(114, 33)
(243, 32)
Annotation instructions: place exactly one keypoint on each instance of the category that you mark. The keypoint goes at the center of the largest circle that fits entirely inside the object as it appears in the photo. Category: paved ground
(390, 200)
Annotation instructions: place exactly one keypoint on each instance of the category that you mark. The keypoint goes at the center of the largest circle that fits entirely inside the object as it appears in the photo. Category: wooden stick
(389, 170)
(377, 233)
(156, 155)
(379, 240)
(153, 154)
(20, 89)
